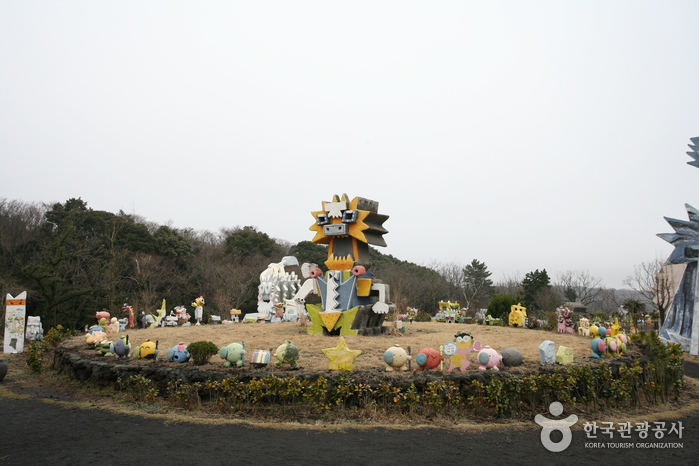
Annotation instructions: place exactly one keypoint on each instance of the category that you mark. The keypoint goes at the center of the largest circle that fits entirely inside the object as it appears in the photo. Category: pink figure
(565, 323)
(102, 315)
(457, 350)
(489, 359)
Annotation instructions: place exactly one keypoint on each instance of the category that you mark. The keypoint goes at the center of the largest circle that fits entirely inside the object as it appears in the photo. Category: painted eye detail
(460, 339)
(322, 219)
(349, 216)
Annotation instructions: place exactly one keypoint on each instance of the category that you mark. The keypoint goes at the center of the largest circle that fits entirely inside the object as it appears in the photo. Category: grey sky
(528, 135)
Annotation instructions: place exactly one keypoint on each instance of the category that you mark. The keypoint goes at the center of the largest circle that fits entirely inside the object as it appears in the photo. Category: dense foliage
(74, 261)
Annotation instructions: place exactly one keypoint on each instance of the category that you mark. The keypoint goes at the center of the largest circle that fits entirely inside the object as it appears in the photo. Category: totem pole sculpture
(353, 302)
(681, 323)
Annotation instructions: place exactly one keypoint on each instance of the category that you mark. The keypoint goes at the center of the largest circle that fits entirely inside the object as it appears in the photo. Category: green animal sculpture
(287, 354)
(233, 354)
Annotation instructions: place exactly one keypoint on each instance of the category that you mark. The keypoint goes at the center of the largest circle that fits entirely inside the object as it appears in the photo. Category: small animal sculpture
(457, 350)
(584, 327)
(594, 330)
(103, 325)
(565, 322)
(622, 341)
(178, 353)
(198, 306)
(171, 320)
(182, 315)
(489, 359)
(159, 319)
(121, 347)
(233, 354)
(428, 358)
(287, 353)
(518, 315)
(102, 315)
(613, 347)
(93, 329)
(95, 337)
(129, 314)
(616, 328)
(113, 326)
(104, 348)
(123, 323)
(396, 358)
(147, 350)
(598, 348)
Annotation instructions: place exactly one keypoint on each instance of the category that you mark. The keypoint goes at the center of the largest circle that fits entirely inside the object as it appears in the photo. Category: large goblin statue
(352, 301)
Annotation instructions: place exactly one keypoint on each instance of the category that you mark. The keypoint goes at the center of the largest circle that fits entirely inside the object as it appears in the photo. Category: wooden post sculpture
(353, 302)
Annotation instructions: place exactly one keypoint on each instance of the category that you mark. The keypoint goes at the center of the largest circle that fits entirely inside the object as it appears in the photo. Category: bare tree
(548, 299)
(510, 284)
(579, 286)
(453, 273)
(656, 283)
(607, 302)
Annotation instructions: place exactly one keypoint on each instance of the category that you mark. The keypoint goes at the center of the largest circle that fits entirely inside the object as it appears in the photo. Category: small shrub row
(656, 378)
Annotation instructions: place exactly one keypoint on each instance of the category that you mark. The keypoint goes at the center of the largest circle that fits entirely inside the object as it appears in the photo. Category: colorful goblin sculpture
(353, 302)
(457, 350)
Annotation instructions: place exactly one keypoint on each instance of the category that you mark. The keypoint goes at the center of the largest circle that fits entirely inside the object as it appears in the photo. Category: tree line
(74, 261)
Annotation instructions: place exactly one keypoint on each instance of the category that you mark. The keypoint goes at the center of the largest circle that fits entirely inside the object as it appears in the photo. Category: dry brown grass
(417, 335)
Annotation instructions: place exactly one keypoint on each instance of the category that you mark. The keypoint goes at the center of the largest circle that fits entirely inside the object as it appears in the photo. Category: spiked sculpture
(681, 323)
(353, 302)
(276, 286)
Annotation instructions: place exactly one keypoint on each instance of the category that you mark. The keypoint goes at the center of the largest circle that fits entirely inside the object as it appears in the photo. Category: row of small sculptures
(454, 354)
(607, 340)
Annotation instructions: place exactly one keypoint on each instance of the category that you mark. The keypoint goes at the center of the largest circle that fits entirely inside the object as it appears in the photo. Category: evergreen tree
(477, 286)
(532, 284)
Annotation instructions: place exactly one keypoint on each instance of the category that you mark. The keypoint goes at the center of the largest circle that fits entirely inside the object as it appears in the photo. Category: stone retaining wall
(108, 371)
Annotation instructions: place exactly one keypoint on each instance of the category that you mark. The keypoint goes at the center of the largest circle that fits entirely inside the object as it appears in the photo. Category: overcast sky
(527, 135)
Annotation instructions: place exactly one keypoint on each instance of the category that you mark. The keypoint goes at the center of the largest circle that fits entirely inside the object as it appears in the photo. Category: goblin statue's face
(348, 227)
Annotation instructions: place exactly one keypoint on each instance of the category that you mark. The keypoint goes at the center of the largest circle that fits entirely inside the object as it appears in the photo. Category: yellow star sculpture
(341, 357)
